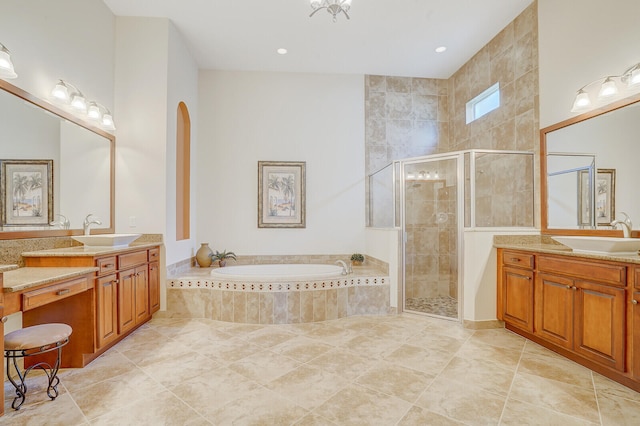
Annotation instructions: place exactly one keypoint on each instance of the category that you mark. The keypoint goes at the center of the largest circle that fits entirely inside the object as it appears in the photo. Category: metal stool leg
(51, 372)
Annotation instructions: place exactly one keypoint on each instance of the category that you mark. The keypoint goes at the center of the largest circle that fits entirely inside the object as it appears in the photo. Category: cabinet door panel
(126, 300)
(635, 344)
(600, 325)
(154, 287)
(107, 303)
(141, 294)
(518, 297)
(554, 309)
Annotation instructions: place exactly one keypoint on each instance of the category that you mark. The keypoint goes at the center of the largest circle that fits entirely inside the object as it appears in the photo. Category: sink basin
(107, 240)
(601, 245)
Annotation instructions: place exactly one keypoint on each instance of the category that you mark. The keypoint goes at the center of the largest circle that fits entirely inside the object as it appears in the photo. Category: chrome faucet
(345, 270)
(88, 221)
(62, 223)
(626, 225)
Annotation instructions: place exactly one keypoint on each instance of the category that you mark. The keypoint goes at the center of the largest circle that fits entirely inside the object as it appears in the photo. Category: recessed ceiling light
(282, 51)
(441, 49)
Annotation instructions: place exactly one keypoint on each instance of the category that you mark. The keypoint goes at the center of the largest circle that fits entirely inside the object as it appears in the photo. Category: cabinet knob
(515, 259)
(574, 288)
(634, 301)
(4, 319)
(568, 287)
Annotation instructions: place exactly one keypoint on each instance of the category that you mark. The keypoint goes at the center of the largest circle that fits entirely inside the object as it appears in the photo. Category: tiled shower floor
(444, 306)
(394, 370)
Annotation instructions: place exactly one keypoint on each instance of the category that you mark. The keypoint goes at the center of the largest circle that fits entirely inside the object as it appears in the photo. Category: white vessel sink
(107, 240)
(601, 245)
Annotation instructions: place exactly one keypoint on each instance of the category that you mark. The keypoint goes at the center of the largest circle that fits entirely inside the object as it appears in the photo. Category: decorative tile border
(277, 303)
(274, 287)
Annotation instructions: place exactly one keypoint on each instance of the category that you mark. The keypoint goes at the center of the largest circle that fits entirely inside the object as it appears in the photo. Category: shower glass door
(430, 222)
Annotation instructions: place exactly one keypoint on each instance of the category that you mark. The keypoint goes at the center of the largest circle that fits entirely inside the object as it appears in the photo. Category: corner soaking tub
(278, 294)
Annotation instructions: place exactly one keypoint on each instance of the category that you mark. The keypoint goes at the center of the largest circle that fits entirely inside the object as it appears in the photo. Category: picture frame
(26, 192)
(605, 194)
(281, 194)
(584, 198)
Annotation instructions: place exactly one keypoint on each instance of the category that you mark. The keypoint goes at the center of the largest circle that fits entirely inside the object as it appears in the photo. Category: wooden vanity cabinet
(634, 306)
(579, 309)
(580, 305)
(517, 293)
(127, 288)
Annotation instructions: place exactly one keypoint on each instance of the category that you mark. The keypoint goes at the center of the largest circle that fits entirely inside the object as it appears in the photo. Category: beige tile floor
(394, 370)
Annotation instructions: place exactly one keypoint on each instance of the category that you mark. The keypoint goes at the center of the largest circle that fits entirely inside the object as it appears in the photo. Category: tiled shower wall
(408, 117)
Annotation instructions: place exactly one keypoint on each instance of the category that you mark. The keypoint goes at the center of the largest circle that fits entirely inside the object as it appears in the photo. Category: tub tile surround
(375, 370)
(195, 294)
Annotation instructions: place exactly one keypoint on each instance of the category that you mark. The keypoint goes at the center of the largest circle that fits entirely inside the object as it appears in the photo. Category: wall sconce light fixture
(6, 66)
(101, 114)
(611, 88)
(67, 94)
(75, 98)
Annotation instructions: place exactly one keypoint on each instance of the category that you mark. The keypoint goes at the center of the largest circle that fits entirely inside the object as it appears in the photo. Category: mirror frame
(64, 115)
(544, 219)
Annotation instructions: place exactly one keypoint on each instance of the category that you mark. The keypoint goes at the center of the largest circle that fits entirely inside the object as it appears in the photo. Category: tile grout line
(595, 393)
(513, 379)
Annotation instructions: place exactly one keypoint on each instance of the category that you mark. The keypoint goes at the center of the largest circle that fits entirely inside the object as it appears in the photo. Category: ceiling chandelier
(334, 7)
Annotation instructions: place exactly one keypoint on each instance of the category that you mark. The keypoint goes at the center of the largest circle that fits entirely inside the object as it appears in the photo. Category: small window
(484, 103)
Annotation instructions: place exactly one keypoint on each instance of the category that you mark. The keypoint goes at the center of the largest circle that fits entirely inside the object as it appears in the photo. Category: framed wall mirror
(80, 160)
(590, 171)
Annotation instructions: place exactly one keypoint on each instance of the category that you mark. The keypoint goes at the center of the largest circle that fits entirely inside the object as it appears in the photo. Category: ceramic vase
(203, 255)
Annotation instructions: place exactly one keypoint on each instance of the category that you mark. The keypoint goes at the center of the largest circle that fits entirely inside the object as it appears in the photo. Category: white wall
(385, 244)
(141, 102)
(252, 116)
(182, 86)
(581, 41)
(62, 39)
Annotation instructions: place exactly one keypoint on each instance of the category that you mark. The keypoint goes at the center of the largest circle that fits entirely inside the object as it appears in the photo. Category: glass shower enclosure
(434, 199)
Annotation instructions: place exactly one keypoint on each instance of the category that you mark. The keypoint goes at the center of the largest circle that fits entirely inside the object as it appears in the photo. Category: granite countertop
(557, 248)
(5, 268)
(25, 278)
(87, 251)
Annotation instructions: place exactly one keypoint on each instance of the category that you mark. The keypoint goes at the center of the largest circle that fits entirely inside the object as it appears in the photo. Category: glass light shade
(107, 121)
(346, 5)
(634, 78)
(608, 88)
(94, 111)
(6, 66)
(78, 102)
(582, 101)
(314, 4)
(61, 92)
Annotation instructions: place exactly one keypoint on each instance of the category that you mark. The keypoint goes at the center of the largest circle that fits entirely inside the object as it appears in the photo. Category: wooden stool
(30, 341)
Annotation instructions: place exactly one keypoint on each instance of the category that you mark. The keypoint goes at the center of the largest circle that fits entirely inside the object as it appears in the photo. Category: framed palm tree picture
(281, 194)
(26, 188)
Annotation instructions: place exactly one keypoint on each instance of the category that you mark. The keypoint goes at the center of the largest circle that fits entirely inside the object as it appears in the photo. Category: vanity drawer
(106, 265)
(154, 254)
(132, 259)
(517, 259)
(33, 299)
(589, 271)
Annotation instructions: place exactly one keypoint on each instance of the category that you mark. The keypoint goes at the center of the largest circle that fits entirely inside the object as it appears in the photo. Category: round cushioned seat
(36, 336)
(34, 341)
